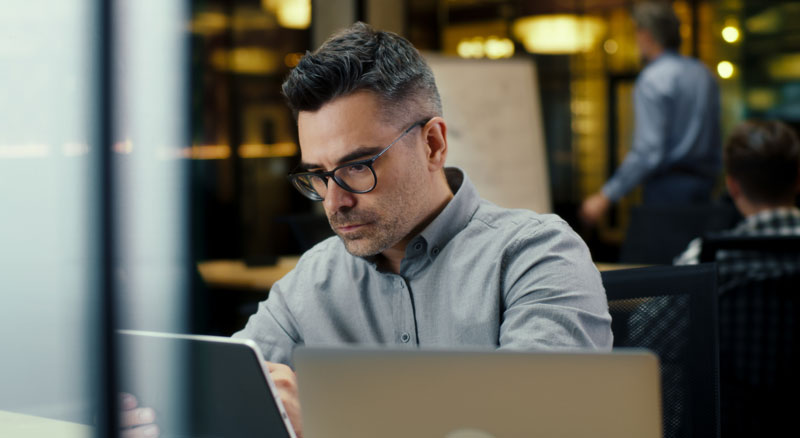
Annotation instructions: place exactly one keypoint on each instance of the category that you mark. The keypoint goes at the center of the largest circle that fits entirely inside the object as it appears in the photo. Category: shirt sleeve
(690, 256)
(553, 294)
(273, 327)
(649, 139)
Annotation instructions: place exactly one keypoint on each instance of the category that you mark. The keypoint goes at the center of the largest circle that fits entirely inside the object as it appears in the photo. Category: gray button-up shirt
(477, 276)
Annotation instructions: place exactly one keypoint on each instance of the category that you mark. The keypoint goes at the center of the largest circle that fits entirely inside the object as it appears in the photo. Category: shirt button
(405, 337)
(418, 246)
(435, 250)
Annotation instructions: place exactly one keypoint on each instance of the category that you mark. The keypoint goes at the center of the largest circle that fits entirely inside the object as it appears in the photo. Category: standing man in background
(676, 144)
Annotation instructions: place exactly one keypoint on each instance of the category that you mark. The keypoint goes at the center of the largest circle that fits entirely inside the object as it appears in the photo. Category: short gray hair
(362, 58)
(660, 20)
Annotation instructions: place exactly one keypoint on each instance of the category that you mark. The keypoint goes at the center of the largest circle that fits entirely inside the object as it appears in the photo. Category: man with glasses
(419, 260)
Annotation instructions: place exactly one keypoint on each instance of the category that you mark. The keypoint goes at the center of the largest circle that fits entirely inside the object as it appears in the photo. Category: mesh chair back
(759, 335)
(672, 311)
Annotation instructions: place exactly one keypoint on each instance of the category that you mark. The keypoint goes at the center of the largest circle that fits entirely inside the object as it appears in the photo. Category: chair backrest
(759, 333)
(657, 234)
(672, 310)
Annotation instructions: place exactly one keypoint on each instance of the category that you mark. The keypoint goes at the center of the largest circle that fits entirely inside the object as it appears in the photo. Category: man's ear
(435, 132)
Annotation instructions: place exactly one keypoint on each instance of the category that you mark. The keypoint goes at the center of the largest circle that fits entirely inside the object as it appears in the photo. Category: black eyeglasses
(355, 177)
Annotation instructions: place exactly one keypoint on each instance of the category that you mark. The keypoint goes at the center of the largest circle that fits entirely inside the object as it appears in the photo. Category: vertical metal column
(107, 397)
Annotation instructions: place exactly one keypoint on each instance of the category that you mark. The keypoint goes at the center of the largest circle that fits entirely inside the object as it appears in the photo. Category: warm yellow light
(492, 47)
(209, 23)
(470, 48)
(761, 99)
(558, 34)
(293, 14)
(496, 48)
(206, 152)
(730, 34)
(725, 69)
(784, 67)
(292, 59)
(610, 46)
(246, 60)
(286, 149)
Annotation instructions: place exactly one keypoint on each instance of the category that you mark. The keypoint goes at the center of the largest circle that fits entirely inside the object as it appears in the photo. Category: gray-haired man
(419, 260)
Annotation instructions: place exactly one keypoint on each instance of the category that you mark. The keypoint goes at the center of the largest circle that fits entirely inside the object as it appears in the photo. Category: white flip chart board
(494, 128)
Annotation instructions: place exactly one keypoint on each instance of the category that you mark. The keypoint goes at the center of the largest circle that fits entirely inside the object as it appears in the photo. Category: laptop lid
(467, 394)
(202, 386)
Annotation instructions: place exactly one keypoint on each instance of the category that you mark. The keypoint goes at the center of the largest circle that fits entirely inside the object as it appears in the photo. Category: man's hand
(286, 381)
(136, 422)
(594, 207)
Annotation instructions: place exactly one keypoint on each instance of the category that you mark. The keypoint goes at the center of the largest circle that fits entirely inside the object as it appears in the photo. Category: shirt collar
(768, 216)
(665, 54)
(453, 218)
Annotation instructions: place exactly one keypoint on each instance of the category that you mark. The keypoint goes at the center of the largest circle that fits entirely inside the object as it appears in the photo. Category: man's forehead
(339, 128)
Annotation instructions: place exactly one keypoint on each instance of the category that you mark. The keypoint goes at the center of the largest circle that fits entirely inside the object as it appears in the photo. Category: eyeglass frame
(331, 174)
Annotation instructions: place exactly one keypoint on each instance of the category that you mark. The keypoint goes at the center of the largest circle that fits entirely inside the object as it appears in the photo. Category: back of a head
(764, 158)
(660, 20)
(361, 58)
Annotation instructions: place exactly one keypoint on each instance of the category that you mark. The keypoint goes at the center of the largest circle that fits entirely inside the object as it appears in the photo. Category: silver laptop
(202, 386)
(371, 393)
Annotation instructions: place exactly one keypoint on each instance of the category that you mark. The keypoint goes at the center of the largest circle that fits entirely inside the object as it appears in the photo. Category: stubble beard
(385, 229)
(380, 235)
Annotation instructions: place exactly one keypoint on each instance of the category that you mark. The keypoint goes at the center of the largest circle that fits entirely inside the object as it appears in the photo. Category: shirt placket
(405, 327)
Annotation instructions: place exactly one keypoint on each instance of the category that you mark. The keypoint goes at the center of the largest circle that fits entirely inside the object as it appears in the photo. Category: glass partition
(49, 296)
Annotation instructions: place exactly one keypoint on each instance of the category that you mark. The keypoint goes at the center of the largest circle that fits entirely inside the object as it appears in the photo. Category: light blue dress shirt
(676, 150)
(477, 276)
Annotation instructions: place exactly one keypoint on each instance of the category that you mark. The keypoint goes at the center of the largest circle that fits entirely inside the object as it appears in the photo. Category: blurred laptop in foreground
(202, 386)
(357, 393)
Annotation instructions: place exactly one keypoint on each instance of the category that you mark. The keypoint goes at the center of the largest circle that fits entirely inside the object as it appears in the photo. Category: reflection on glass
(150, 171)
(48, 296)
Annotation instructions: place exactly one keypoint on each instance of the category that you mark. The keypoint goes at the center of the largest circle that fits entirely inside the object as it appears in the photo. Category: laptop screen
(201, 386)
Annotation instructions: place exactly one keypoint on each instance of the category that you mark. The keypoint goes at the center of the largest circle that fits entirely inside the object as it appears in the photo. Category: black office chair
(671, 310)
(759, 345)
(657, 234)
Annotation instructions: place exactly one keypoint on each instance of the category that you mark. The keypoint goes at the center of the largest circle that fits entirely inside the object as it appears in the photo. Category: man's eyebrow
(361, 152)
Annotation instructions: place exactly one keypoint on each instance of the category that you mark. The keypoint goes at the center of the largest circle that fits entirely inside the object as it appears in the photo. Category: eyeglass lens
(354, 178)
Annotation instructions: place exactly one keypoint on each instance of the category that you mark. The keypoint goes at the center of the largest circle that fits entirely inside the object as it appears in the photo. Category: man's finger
(273, 367)
(127, 401)
(136, 417)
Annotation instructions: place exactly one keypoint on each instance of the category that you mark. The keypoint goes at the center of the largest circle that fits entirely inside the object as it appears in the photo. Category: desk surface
(616, 266)
(235, 274)
(17, 425)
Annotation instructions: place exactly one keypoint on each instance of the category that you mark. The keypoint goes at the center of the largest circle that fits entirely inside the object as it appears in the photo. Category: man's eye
(357, 168)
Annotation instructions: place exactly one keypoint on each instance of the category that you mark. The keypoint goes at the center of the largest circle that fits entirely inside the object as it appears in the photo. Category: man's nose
(338, 198)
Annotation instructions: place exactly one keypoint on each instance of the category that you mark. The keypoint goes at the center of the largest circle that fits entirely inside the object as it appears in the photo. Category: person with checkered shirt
(757, 289)
(761, 160)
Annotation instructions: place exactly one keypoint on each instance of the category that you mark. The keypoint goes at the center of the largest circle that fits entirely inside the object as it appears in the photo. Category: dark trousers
(677, 188)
